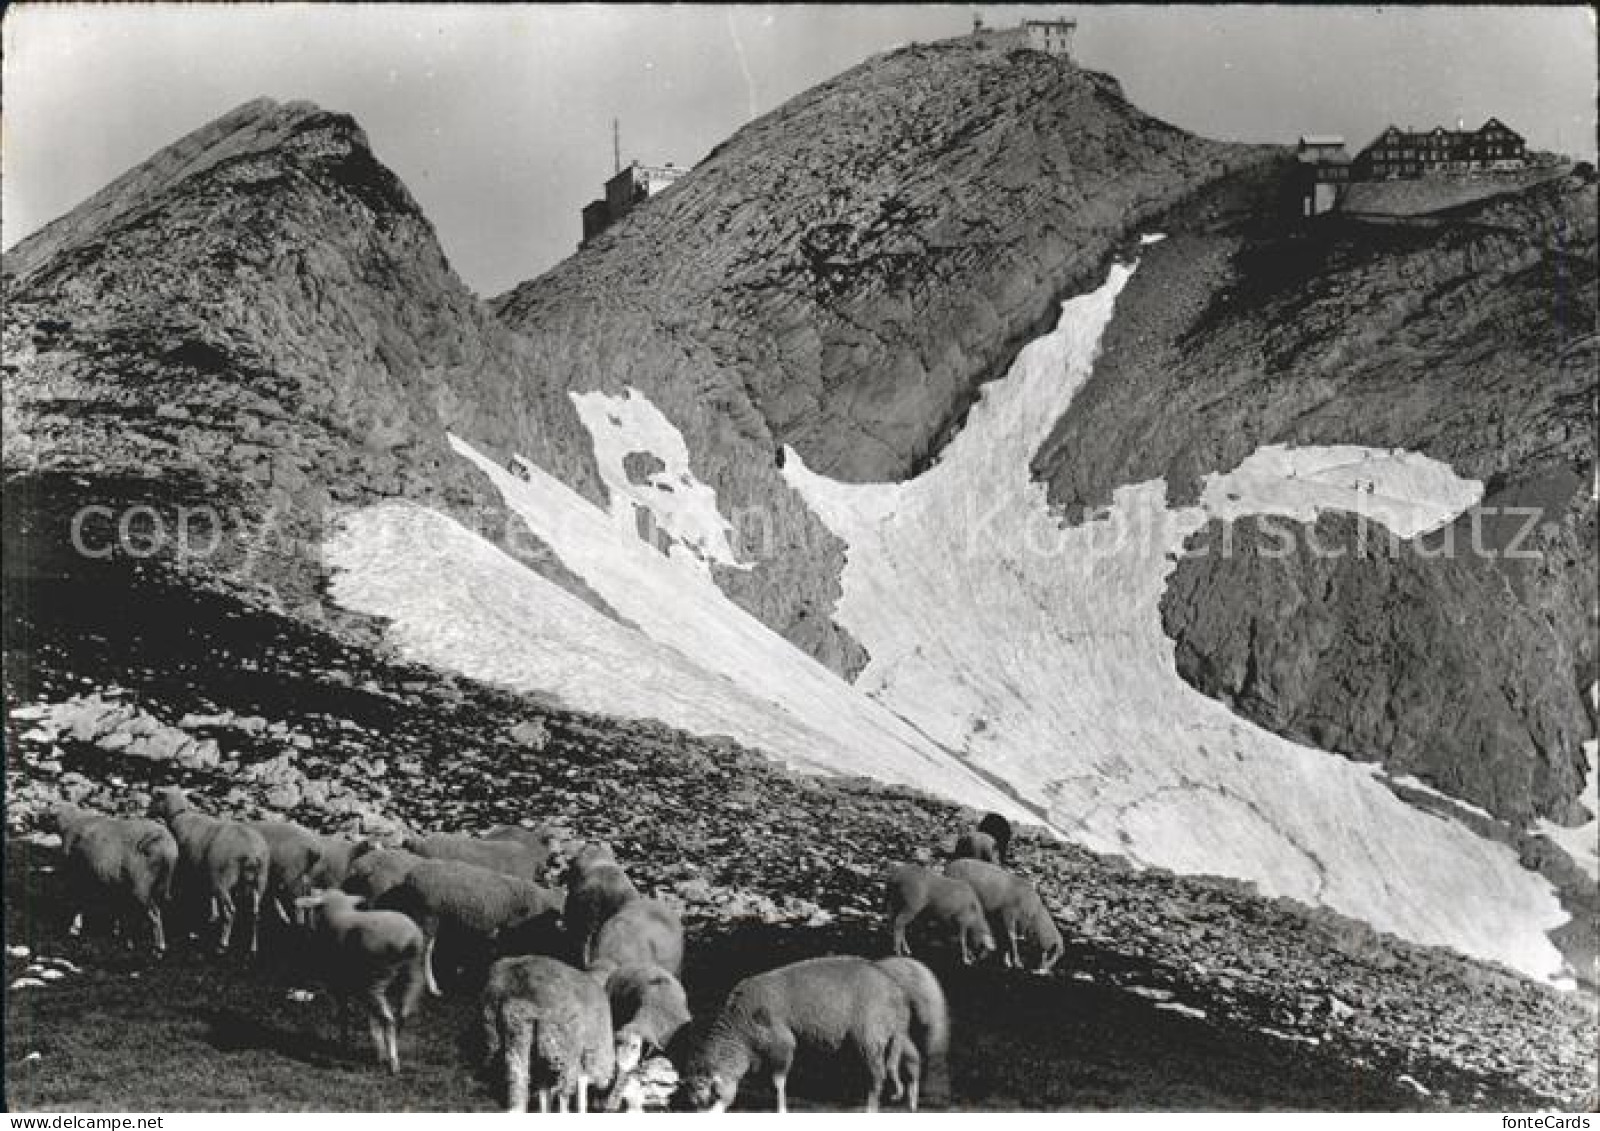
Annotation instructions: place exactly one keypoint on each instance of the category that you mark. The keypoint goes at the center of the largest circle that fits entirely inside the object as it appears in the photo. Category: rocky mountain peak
(844, 273)
(249, 147)
(262, 311)
(898, 230)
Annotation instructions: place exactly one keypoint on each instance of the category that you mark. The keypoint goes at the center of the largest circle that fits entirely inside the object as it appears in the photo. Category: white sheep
(336, 855)
(217, 858)
(544, 838)
(372, 955)
(596, 890)
(296, 854)
(468, 902)
(588, 856)
(642, 932)
(823, 1007)
(975, 845)
(550, 1025)
(930, 1029)
(372, 870)
(915, 892)
(1015, 911)
(124, 863)
(509, 855)
(648, 1008)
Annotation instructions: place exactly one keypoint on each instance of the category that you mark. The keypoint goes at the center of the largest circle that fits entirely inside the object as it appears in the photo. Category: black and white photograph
(800, 558)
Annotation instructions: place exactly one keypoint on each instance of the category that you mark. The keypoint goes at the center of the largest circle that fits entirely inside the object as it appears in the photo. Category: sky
(498, 117)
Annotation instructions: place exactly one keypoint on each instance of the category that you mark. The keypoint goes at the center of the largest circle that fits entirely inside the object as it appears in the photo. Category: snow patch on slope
(678, 505)
(1036, 651)
(457, 601)
(1407, 492)
(1583, 842)
(695, 660)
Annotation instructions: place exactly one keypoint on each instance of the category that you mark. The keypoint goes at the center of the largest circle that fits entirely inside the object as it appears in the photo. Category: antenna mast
(616, 147)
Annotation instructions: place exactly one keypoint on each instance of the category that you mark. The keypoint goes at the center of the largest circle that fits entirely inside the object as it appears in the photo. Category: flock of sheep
(600, 1016)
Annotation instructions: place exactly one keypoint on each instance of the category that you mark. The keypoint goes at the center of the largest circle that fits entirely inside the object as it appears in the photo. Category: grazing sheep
(508, 856)
(126, 864)
(373, 871)
(930, 1030)
(999, 829)
(337, 854)
(642, 932)
(544, 838)
(589, 856)
(1039, 927)
(551, 1026)
(217, 858)
(596, 890)
(296, 854)
(822, 1006)
(469, 901)
(648, 1008)
(973, 845)
(1015, 911)
(371, 953)
(915, 892)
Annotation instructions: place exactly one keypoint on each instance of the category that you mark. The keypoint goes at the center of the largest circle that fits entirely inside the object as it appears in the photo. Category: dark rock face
(640, 466)
(843, 273)
(261, 312)
(1345, 637)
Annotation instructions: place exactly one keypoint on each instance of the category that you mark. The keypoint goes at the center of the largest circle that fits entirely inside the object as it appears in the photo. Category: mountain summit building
(624, 191)
(1053, 37)
(1322, 170)
(1492, 147)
